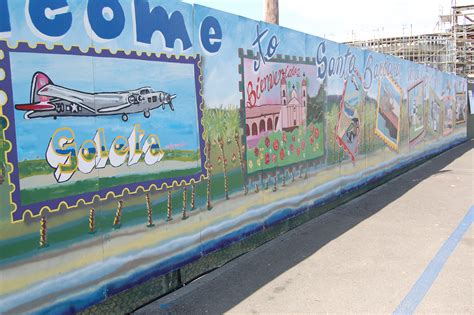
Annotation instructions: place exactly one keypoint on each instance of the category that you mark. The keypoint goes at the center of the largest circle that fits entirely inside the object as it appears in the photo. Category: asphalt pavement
(404, 247)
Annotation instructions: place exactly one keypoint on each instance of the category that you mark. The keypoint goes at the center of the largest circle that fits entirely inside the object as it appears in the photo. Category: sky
(344, 20)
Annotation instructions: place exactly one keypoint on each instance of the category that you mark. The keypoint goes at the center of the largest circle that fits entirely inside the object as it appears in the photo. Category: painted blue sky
(106, 75)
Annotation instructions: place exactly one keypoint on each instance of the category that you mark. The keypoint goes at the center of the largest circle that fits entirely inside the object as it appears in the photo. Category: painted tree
(208, 129)
(233, 121)
(220, 135)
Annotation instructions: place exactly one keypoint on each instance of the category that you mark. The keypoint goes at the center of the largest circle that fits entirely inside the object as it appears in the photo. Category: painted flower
(303, 144)
(259, 163)
(234, 157)
(293, 138)
(267, 142)
(256, 151)
(219, 159)
(282, 154)
(250, 164)
(298, 151)
(275, 144)
(274, 157)
(316, 133)
(261, 156)
(267, 158)
(311, 139)
(292, 147)
(285, 137)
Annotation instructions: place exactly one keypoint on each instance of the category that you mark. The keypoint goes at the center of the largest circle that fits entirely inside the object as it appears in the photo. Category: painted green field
(30, 168)
(77, 230)
(30, 196)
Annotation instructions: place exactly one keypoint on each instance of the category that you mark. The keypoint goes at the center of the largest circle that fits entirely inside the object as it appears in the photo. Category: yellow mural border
(464, 94)
(394, 146)
(110, 194)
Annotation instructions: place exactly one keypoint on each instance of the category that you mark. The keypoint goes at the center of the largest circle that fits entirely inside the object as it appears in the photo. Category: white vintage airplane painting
(50, 100)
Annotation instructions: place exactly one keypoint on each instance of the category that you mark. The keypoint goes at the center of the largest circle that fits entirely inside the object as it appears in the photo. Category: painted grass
(31, 196)
(30, 168)
(75, 231)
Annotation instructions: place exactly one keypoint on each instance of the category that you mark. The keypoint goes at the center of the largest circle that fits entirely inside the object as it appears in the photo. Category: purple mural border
(19, 212)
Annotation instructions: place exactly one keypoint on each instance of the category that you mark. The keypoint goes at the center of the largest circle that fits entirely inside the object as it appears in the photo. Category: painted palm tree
(220, 135)
(233, 121)
(208, 130)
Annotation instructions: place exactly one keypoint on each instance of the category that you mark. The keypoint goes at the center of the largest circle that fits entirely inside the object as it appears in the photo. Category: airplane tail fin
(37, 102)
(39, 81)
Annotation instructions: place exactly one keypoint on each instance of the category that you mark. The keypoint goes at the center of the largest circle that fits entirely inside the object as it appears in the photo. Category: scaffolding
(449, 49)
(462, 31)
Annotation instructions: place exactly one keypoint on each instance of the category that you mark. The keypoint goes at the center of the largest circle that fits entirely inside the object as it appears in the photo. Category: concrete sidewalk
(398, 247)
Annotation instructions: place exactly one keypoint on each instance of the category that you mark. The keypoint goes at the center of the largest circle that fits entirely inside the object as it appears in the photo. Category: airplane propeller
(169, 99)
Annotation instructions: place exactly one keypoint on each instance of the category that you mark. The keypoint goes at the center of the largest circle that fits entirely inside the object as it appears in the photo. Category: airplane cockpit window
(149, 100)
(143, 92)
(155, 98)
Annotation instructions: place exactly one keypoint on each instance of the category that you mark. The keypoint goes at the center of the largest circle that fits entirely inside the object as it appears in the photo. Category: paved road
(405, 246)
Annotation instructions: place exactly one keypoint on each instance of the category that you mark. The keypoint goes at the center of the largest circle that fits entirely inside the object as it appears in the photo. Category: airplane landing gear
(124, 117)
(146, 114)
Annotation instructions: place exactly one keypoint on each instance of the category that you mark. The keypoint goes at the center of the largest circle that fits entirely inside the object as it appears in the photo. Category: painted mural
(138, 137)
(61, 164)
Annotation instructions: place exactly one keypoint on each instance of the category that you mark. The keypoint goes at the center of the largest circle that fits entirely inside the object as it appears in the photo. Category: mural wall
(138, 136)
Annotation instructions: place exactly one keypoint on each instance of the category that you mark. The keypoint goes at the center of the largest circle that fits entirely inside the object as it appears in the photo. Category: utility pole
(271, 11)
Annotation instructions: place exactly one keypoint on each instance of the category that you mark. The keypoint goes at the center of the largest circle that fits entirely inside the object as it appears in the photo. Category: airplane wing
(113, 108)
(93, 103)
(86, 100)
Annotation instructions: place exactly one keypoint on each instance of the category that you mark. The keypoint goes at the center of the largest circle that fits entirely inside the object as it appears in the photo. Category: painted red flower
(267, 158)
(256, 151)
(316, 133)
(275, 144)
(293, 138)
(282, 154)
(267, 142)
(298, 151)
(303, 144)
(274, 157)
(285, 138)
(292, 147)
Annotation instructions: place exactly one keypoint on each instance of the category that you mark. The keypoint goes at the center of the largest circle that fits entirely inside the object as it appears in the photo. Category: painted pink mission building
(289, 114)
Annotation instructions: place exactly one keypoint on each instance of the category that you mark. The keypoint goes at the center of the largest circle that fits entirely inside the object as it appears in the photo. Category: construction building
(450, 48)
